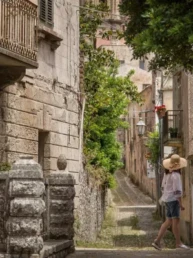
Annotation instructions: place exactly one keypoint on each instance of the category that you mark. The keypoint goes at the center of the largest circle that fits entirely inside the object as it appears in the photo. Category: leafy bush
(153, 146)
(107, 98)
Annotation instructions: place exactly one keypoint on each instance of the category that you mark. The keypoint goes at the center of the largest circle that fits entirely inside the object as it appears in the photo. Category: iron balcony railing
(18, 23)
(172, 126)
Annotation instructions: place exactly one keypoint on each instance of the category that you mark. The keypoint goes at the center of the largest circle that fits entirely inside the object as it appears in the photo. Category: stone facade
(41, 114)
(183, 100)
(136, 162)
(45, 104)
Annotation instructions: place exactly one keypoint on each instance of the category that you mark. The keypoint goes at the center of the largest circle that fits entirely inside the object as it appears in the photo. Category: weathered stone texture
(64, 192)
(57, 139)
(27, 244)
(55, 151)
(23, 188)
(23, 104)
(21, 145)
(65, 232)
(13, 156)
(61, 201)
(57, 249)
(58, 206)
(62, 219)
(90, 209)
(24, 226)
(23, 132)
(73, 166)
(27, 207)
(74, 130)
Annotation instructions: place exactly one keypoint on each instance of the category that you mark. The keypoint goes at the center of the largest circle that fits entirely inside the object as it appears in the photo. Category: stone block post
(61, 202)
(24, 224)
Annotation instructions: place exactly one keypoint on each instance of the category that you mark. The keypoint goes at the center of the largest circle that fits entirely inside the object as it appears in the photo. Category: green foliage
(162, 27)
(107, 98)
(5, 166)
(173, 130)
(153, 146)
(134, 222)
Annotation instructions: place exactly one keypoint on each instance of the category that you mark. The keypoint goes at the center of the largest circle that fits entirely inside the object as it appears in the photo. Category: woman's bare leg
(176, 230)
(163, 230)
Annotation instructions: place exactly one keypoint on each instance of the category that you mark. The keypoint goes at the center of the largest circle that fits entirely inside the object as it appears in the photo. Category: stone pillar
(24, 224)
(61, 202)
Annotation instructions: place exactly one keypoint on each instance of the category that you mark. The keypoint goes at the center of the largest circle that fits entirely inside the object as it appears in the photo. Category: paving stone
(131, 254)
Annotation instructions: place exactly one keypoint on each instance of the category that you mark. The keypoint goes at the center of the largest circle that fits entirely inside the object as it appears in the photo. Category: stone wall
(25, 212)
(90, 212)
(40, 115)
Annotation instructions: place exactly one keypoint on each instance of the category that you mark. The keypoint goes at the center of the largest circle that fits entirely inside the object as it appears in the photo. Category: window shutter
(43, 10)
(50, 11)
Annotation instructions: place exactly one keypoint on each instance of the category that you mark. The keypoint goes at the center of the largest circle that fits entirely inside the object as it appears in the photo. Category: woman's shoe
(182, 247)
(156, 246)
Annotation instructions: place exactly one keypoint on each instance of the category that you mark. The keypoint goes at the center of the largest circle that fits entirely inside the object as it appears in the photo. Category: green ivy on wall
(153, 147)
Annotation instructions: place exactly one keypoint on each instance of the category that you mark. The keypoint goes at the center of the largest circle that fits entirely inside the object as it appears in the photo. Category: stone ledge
(56, 248)
(49, 34)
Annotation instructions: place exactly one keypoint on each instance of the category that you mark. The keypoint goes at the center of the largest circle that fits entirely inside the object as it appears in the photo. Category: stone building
(137, 166)
(40, 114)
(180, 119)
(40, 100)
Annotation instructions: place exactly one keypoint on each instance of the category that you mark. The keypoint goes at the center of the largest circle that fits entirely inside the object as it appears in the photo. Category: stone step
(56, 248)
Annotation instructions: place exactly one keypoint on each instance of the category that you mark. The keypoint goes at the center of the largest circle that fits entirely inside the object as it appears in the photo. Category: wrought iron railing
(18, 22)
(172, 125)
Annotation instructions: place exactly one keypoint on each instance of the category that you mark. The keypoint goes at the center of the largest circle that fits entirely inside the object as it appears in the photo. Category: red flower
(162, 107)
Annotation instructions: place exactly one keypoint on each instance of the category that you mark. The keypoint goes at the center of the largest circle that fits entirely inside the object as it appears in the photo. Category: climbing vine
(107, 98)
(153, 147)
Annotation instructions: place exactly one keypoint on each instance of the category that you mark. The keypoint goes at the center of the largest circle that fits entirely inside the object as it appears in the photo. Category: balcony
(18, 39)
(172, 128)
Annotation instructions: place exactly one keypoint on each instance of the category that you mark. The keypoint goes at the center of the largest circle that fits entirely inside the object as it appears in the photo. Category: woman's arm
(177, 188)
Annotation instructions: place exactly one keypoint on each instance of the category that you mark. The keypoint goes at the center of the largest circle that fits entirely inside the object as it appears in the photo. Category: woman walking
(172, 193)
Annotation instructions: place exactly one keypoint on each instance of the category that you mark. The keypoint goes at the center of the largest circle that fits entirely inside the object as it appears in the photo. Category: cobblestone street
(131, 254)
(135, 227)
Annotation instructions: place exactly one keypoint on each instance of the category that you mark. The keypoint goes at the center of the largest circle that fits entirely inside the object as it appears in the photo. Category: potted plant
(161, 110)
(173, 132)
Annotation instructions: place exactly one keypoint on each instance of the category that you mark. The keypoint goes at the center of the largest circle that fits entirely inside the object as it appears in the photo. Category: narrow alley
(135, 227)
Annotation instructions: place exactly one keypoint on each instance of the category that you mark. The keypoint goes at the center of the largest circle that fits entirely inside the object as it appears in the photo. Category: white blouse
(171, 187)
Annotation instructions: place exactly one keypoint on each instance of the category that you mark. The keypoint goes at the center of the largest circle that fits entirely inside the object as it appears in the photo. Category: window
(142, 64)
(46, 11)
(42, 136)
(135, 165)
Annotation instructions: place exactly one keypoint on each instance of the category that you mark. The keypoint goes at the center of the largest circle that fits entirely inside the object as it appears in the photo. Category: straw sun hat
(174, 162)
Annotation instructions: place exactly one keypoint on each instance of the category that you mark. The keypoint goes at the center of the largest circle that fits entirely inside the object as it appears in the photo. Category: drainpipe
(160, 209)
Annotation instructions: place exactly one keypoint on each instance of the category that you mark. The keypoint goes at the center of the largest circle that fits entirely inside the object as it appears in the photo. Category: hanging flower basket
(160, 110)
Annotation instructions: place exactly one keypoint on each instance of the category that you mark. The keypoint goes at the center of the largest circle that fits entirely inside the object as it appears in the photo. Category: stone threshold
(57, 248)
